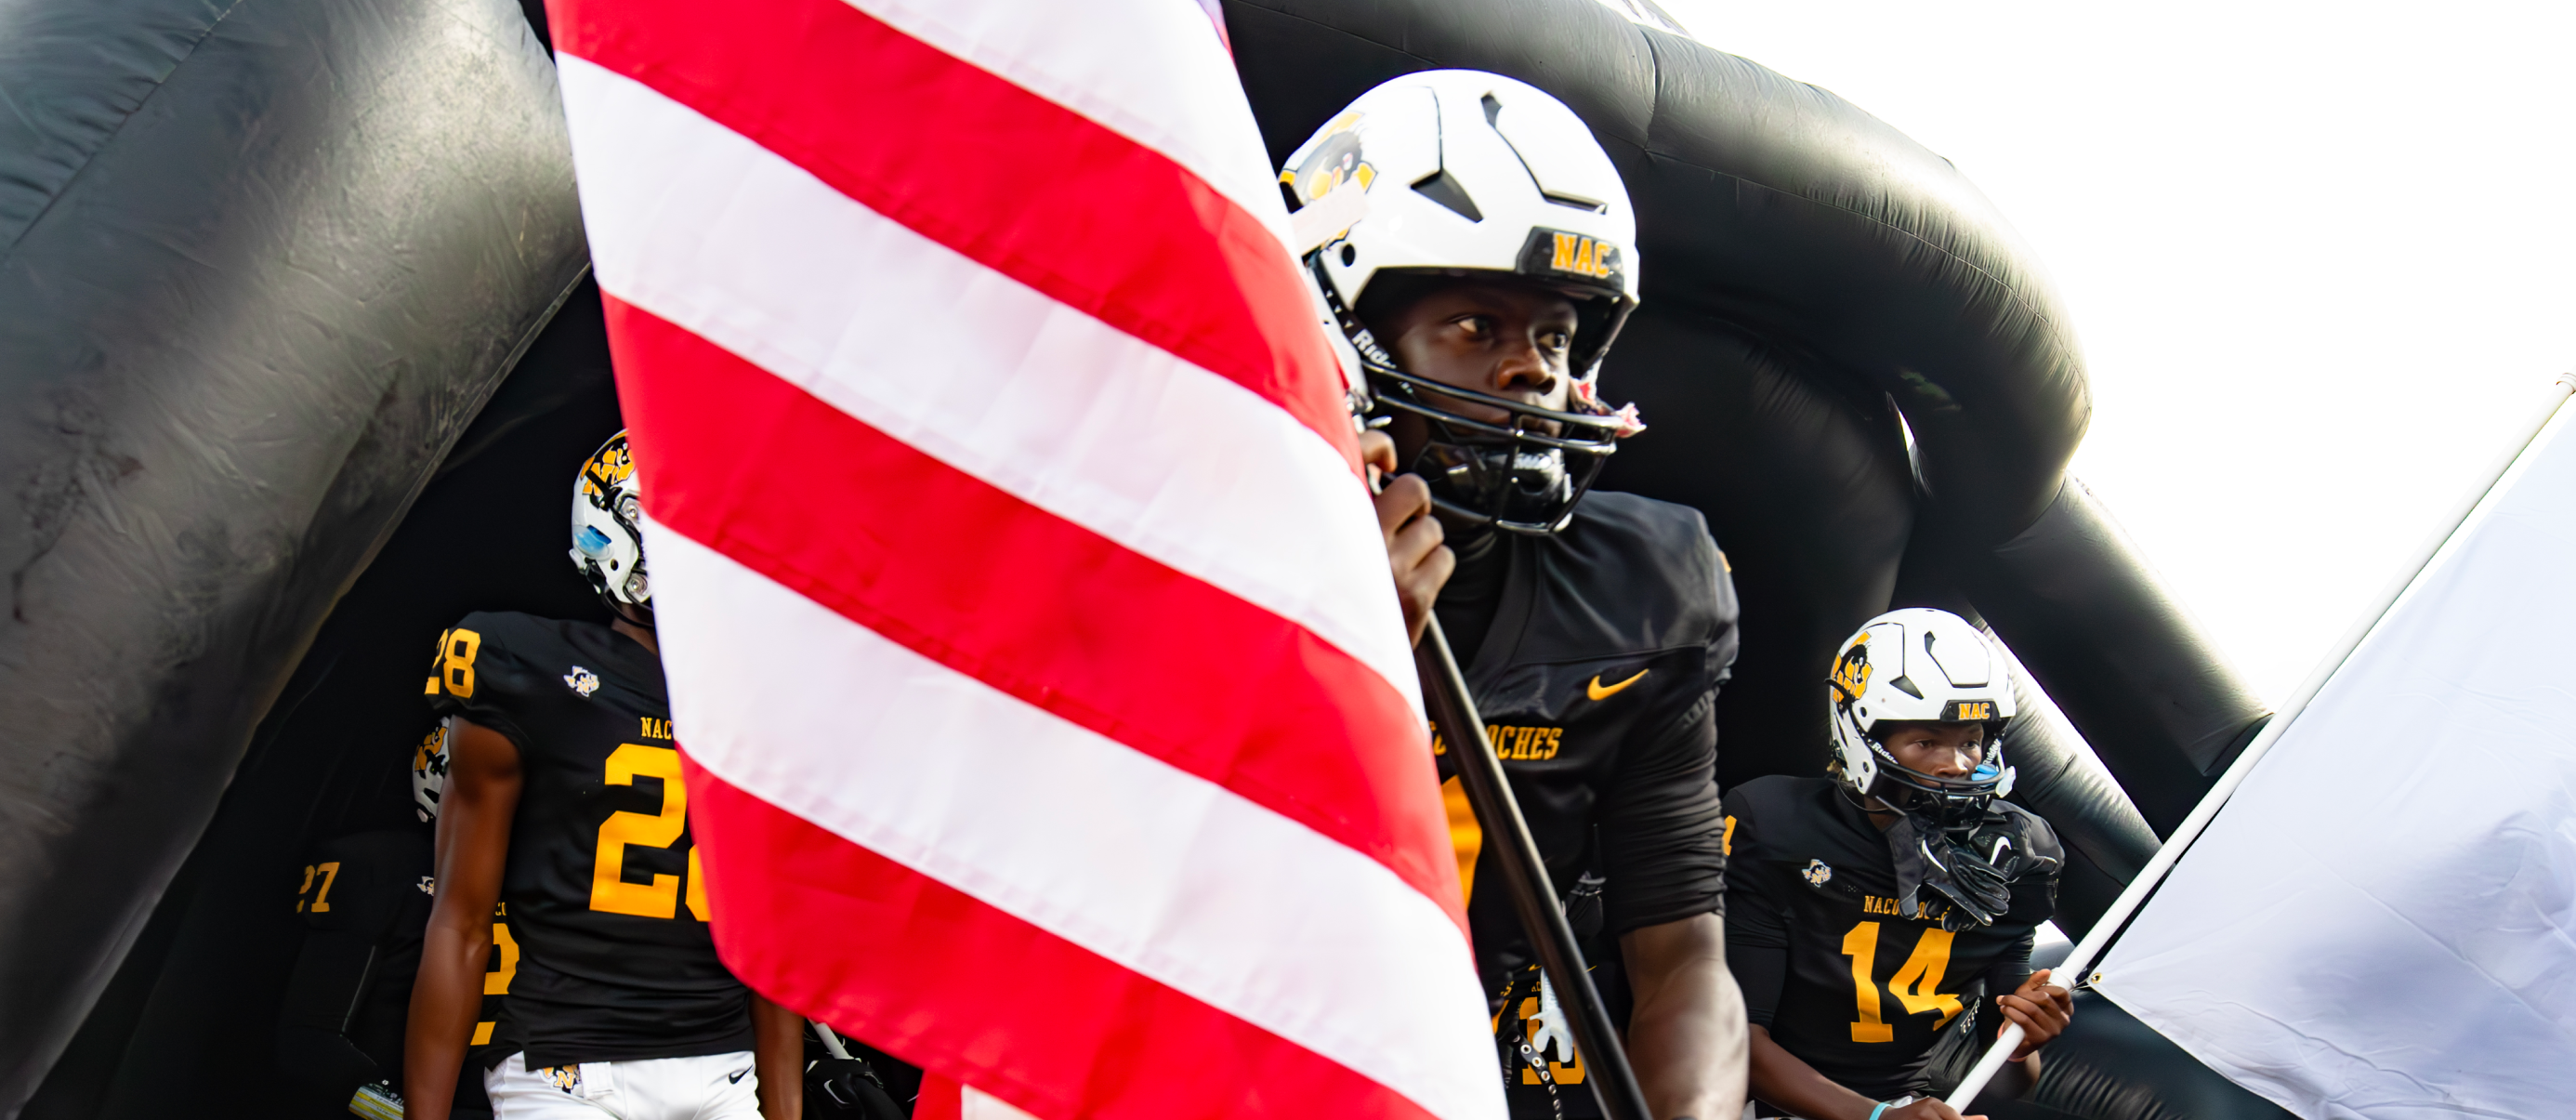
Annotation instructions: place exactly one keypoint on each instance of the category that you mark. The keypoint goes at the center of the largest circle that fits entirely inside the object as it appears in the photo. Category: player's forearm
(445, 1000)
(778, 1052)
(1686, 1036)
(1779, 1078)
(1688, 1045)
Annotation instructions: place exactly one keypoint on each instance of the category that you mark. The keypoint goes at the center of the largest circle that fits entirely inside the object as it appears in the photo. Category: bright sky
(2322, 257)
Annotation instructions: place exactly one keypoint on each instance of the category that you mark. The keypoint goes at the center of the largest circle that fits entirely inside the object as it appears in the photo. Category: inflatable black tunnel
(263, 265)
(260, 264)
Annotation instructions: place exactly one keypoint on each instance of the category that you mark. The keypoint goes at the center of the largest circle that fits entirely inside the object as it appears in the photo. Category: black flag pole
(1596, 1041)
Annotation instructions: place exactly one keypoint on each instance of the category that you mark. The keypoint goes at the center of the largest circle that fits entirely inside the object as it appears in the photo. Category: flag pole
(2081, 960)
(1596, 1040)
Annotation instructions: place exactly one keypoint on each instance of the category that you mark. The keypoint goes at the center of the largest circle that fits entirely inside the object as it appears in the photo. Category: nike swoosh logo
(735, 1078)
(1599, 691)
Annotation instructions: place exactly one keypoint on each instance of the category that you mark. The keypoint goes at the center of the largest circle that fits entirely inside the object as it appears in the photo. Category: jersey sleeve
(479, 668)
(1660, 822)
(1757, 922)
(2011, 967)
(1662, 843)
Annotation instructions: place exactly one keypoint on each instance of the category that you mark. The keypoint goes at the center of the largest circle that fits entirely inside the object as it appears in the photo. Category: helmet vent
(1584, 204)
(1493, 113)
(1906, 686)
(1442, 187)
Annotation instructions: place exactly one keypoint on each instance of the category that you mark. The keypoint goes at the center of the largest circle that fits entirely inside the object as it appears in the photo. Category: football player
(1869, 907)
(563, 803)
(1476, 249)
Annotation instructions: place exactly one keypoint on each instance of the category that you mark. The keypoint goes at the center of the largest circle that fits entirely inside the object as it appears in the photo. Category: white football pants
(711, 1087)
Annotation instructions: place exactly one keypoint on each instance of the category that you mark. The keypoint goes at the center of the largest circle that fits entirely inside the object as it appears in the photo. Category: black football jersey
(604, 900)
(1597, 678)
(363, 899)
(1829, 965)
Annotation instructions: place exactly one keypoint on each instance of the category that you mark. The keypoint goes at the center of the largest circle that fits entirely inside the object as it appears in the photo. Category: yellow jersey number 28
(610, 891)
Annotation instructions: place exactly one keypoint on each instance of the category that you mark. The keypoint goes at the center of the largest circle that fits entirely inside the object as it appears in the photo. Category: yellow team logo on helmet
(1335, 160)
(1851, 670)
(607, 469)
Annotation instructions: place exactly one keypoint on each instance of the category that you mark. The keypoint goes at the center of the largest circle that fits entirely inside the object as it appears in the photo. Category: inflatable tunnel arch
(294, 349)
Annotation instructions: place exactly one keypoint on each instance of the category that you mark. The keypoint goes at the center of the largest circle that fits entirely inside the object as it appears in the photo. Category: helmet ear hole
(1350, 254)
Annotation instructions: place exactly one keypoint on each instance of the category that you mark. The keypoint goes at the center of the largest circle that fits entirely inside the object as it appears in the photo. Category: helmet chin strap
(628, 612)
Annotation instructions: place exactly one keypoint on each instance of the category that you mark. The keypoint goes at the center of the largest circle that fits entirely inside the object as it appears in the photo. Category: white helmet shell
(607, 525)
(429, 772)
(1451, 170)
(1916, 665)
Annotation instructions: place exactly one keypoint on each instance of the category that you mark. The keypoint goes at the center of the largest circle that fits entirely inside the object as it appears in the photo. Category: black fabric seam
(91, 157)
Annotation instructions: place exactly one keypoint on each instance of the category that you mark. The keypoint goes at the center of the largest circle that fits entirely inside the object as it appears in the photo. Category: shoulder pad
(489, 658)
(1772, 802)
(1664, 585)
(1773, 792)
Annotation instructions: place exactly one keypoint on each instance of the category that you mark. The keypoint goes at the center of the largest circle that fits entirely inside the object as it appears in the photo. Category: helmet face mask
(1523, 475)
(1466, 175)
(1950, 804)
(607, 528)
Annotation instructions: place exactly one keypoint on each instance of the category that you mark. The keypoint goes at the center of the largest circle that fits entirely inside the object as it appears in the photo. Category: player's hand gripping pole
(2079, 962)
(1453, 711)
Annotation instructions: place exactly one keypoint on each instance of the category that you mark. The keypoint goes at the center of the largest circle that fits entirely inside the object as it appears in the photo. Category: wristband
(1882, 1107)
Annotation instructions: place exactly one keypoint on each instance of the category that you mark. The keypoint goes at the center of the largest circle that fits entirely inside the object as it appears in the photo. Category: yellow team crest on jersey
(1851, 670)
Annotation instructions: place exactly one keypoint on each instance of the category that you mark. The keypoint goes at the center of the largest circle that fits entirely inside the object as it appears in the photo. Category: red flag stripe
(734, 244)
(932, 975)
(1148, 866)
(1026, 602)
(1025, 186)
(1188, 105)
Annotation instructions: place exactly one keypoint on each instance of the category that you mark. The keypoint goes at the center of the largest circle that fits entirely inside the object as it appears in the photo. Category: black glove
(848, 1087)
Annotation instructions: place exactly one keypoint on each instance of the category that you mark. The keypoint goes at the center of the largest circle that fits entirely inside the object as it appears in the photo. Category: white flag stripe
(699, 225)
(1157, 869)
(2382, 921)
(975, 1105)
(1187, 104)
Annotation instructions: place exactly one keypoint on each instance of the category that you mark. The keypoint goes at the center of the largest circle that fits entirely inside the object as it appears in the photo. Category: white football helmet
(1920, 665)
(607, 525)
(1451, 172)
(429, 772)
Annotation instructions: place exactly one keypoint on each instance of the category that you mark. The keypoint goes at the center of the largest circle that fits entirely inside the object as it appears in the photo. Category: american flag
(1049, 718)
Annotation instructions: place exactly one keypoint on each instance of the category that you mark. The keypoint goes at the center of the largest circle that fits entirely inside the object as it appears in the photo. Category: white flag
(2382, 922)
